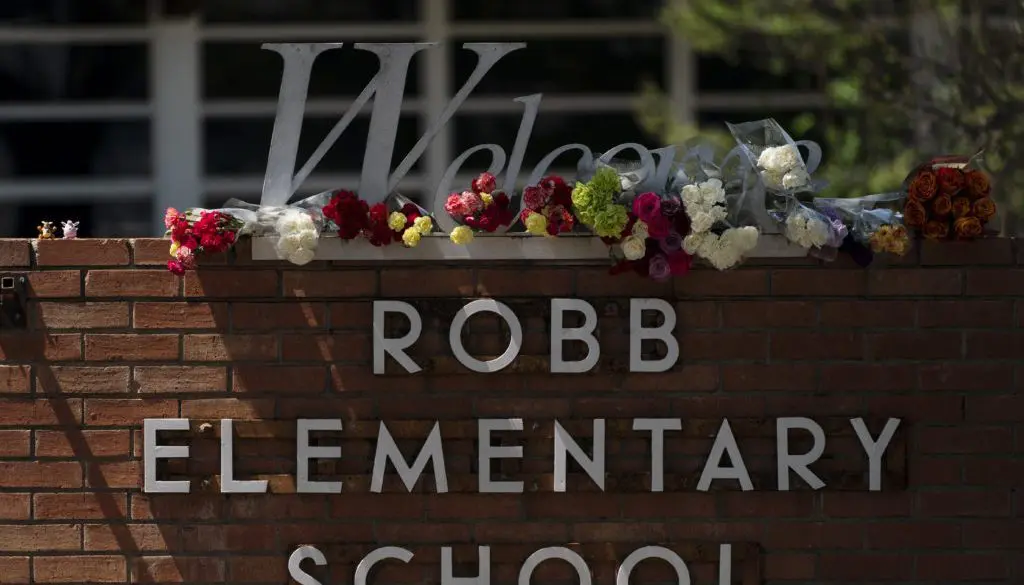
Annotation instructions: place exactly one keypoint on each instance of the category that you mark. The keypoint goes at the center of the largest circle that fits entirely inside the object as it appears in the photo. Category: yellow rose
(174, 249)
(537, 224)
(424, 225)
(411, 237)
(461, 235)
(487, 199)
(397, 221)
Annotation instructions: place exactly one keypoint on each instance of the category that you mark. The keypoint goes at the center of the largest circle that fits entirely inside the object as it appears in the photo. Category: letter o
(555, 552)
(652, 552)
(514, 345)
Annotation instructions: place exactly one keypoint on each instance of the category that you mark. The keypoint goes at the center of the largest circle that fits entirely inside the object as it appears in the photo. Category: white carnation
(806, 231)
(701, 222)
(297, 236)
(796, 178)
(693, 243)
(779, 159)
(633, 248)
(302, 257)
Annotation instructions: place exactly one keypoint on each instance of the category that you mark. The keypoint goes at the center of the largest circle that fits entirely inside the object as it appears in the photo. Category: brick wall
(113, 338)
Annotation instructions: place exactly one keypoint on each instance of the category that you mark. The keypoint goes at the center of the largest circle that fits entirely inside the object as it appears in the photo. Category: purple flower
(671, 205)
(673, 242)
(646, 206)
(837, 233)
(659, 268)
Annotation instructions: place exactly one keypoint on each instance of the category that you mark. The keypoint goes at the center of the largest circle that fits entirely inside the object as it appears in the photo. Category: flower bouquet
(482, 208)
(546, 207)
(774, 154)
(867, 225)
(393, 220)
(705, 206)
(198, 232)
(948, 199)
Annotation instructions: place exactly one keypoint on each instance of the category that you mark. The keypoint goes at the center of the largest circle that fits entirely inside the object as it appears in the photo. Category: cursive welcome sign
(387, 88)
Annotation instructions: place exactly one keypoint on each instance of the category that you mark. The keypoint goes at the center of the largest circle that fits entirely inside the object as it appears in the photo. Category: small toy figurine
(46, 230)
(70, 230)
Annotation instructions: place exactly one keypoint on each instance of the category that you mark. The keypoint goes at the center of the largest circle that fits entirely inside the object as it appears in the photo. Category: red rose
(923, 187)
(977, 183)
(951, 180)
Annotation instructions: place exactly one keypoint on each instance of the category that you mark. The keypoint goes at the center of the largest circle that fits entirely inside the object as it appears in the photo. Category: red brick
(427, 282)
(965, 439)
(15, 379)
(995, 282)
(231, 283)
(80, 506)
(699, 283)
(83, 444)
(267, 316)
(805, 346)
(145, 538)
(925, 406)
(216, 408)
(18, 347)
(973, 253)
(914, 282)
(287, 379)
(131, 283)
(15, 506)
(912, 345)
(995, 345)
(696, 315)
(789, 567)
(331, 284)
(981, 408)
(180, 379)
(133, 348)
(55, 284)
(779, 377)
(978, 504)
(867, 314)
(82, 315)
(15, 254)
(723, 346)
(14, 570)
(150, 251)
(967, 376)
(884, 536)
(82, 252)
(970, 314)
(15, 443)
(114, 475)
(863, 568)
(527, 282)
(128, 411)
(229, 348)
(813, 536)
(347, 347)
(1007, 471)
(85, 380)
(81, 569)
(171, 569)
(51, 537)
(35, 474)
(351, 314)
(958, 566)
(813, 282)
(993, 534)
(190, 315)
(18, 411)
(866, 504)
(868, 377)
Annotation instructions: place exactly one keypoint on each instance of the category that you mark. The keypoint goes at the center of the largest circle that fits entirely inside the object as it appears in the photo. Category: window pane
(597, 131)
(567, 9)
(244, 70)
(241, 146)
(277, 11)
(715, 74)
(43, 149)
(613, 65)
(72, 12)
(43, 73)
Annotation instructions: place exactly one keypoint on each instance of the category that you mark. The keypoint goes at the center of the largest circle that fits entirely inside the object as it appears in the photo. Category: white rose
(633, 248)
(308, 239)
(701, 222)
(691, 196)
(795, 178)
(640, 230)
(302, 256)
(746, 238)
(693, 243)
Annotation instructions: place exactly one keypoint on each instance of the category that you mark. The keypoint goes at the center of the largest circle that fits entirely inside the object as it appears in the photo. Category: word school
(396, 346)
(583, 572)
(564, 447)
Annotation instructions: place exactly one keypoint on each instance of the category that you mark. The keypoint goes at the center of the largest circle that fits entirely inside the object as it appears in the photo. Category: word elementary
(716, 466)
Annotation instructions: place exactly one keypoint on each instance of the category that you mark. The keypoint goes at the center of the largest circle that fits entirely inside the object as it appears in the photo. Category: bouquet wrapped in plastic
(874, 224)
(949, 198)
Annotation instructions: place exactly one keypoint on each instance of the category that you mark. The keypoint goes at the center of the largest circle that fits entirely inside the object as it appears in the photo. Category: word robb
(395, 347)
(564, 447)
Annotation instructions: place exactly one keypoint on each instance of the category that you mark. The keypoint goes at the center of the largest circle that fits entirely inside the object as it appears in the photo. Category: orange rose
(936, 229)
(977, 183)
(923, 187)
(961, 206)
(914, 214)
(951, 180)
(967, 228)
(942, 205)
(984, 209)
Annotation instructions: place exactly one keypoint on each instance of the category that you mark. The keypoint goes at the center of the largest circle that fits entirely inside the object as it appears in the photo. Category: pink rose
(646, 206)
(658, 226)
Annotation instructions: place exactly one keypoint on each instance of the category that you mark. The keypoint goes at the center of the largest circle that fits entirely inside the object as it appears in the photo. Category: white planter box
(491, 247)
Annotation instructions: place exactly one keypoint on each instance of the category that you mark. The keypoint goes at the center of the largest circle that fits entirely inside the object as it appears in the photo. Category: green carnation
(610, 221)
(606, 182)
